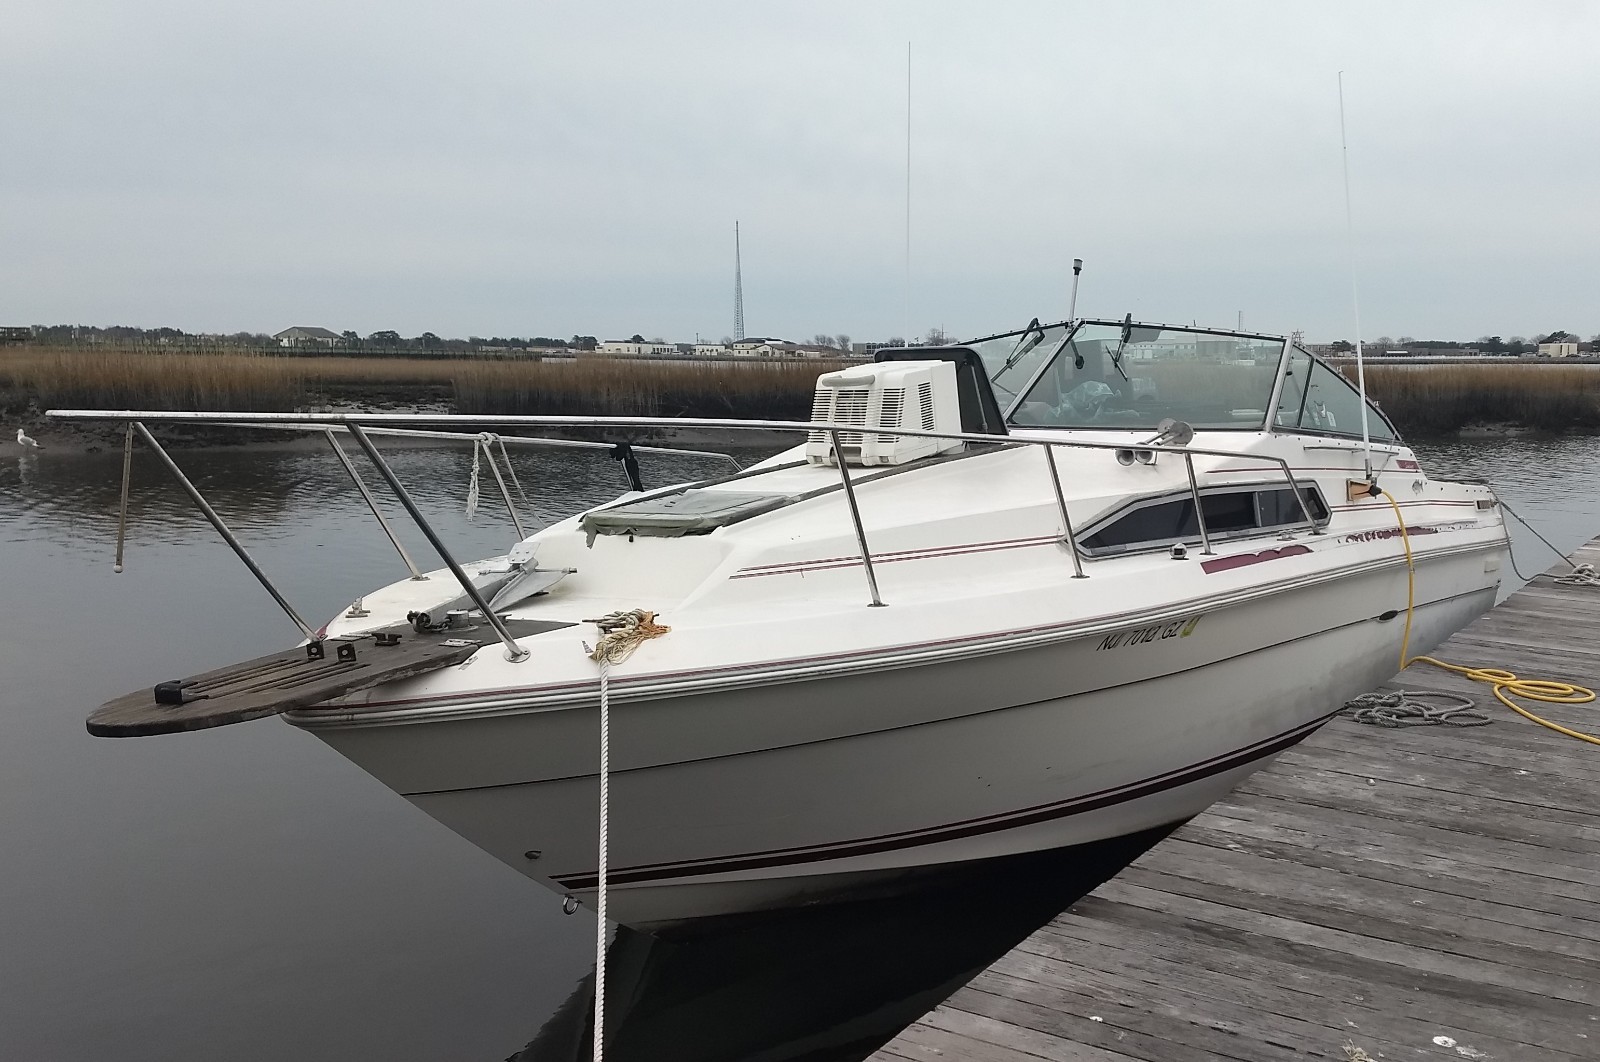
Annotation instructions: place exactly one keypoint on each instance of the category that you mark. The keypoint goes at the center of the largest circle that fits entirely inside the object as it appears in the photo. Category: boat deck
(1431, 892)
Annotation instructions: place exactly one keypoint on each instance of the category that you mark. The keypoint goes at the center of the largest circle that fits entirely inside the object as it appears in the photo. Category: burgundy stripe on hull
(953, 831)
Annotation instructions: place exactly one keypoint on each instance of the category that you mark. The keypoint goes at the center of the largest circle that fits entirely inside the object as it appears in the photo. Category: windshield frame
(1072, 329)
(1395, 439)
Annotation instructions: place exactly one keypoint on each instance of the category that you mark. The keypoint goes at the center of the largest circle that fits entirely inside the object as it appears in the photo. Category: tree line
(1487, 344)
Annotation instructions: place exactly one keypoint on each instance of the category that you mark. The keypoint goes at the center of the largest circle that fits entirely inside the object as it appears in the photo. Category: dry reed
(1420, 399)
(237, 382)
(1441, 399)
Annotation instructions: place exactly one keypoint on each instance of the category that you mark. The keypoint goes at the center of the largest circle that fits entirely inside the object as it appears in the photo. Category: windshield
(1013, 358)
(1133, 376)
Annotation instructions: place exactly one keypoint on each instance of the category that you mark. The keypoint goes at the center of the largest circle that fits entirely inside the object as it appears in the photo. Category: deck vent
(920, 395)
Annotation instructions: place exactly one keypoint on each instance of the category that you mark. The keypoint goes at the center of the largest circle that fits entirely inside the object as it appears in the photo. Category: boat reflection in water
(825, 984)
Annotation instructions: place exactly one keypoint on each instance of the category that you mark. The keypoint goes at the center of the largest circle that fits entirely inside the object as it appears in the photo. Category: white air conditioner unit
(888, 394)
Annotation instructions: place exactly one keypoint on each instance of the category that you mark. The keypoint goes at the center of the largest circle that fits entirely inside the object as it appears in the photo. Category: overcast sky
(533, 168)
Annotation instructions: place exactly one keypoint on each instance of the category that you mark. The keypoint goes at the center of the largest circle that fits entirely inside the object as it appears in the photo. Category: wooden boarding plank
(951, 1036)
(1405, 802)
(1445, 935)
(1486, 915)
(1184, 954)
(1405, 761)
(1401, 954)
(1528, 793)
(1040, 1045)
(1390, 866)
(1540, 868)
(1223, 1015)
(278, 682)
(1176, 970)
(1485, 745)
(1155, 1034)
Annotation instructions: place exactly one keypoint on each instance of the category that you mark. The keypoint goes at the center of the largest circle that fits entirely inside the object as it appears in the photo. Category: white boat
(1063, 654)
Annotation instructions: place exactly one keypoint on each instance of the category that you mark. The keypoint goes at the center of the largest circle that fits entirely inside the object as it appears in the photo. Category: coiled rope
(1504, 684)
(1411, 708)
(620, 634)
(1580, 575)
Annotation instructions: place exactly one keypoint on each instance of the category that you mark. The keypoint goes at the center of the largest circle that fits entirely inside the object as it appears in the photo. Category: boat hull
(802, 792)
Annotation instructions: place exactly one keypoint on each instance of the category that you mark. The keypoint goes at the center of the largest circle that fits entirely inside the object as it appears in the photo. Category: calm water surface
(245, 893)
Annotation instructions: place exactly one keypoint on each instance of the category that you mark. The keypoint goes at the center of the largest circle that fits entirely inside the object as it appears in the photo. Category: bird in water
(25, 440)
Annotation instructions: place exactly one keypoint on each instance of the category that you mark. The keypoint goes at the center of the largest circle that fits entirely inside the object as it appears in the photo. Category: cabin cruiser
(1035, 591)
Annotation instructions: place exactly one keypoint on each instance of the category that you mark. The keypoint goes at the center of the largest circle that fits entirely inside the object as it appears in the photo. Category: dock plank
(1371, 887)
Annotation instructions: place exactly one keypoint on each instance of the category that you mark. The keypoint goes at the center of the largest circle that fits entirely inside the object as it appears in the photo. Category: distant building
(15, 334)
(629, 347)
(1561, 348)
(760, 347)
(712, 350)
(301, 336)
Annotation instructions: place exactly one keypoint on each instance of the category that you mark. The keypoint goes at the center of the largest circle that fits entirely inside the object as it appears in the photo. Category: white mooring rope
(1580, 575)
(620, 634)
(472, 484)
(605, 831)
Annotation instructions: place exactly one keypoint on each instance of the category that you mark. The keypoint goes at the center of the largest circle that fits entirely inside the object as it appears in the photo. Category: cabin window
(1316, 398)
(1234, 513)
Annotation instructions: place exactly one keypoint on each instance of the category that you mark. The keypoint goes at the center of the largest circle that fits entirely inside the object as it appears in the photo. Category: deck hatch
(689, 512)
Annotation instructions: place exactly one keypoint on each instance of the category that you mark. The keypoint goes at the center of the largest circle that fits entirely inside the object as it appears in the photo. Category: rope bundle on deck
(1402, 709)
(623, 632)
(1580, 575)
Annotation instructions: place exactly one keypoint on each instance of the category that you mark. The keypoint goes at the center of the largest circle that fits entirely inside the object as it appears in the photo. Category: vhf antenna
(1355, 297)
(1072, 309)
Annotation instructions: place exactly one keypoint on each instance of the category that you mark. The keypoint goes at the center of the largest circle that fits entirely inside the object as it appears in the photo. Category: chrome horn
(1168, 433)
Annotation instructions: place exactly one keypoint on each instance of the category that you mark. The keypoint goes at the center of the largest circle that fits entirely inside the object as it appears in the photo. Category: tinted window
(1227, 513)
(1316, 398)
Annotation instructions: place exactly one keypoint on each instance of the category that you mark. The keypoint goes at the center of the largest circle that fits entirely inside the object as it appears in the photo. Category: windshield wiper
(1127, 334)
(1032, 336)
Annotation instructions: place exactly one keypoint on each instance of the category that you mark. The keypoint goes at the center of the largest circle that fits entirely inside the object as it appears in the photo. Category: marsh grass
(775, 390)
(1421, 399)
(1442, 399)
(124, 380)
(238, 382)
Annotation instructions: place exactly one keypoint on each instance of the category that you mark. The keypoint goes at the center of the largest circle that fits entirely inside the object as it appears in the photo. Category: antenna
(1072, 308)
(738, 288)
(908, 193)
(1355, 295)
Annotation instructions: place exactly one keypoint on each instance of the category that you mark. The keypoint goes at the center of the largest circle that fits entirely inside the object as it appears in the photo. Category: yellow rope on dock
(1504, 683)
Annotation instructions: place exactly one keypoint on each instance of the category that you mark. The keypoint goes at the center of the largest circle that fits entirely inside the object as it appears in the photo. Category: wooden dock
(1426, 893)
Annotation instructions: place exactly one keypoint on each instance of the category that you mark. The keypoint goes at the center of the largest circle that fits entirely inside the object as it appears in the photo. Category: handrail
(514, 652)
(1199, 509)
(1066, 520)
(514, 440)
(359, 425)
(227, 535)
(372, 503)
(371, 421)
(855, 517)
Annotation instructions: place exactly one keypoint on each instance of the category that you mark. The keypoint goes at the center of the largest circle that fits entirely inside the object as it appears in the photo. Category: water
(245, 893)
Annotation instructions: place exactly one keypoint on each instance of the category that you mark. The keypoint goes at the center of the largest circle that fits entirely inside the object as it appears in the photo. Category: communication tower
(738, 288)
